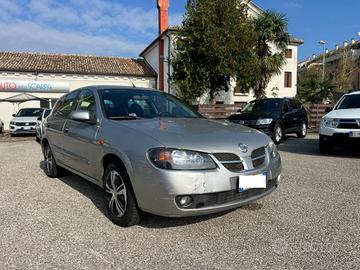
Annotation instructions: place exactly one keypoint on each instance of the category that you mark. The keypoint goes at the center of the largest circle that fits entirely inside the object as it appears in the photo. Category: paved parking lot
(310, 222)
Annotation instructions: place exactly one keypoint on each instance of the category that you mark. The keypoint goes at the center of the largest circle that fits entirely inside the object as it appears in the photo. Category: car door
(55, 125)
(289, 117)
(80, 137)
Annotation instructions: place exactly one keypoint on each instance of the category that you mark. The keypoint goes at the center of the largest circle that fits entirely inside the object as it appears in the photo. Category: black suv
(274, 116)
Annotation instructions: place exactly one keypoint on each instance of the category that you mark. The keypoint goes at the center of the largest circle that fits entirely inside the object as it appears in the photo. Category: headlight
(266, 121)
(272, 150)
(329, 122)
(175, 159)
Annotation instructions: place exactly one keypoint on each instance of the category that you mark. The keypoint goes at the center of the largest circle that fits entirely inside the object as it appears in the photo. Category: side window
(65, 105)
(86, 102)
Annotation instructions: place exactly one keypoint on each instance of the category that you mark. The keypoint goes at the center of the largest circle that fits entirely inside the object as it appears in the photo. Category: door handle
(66, 130)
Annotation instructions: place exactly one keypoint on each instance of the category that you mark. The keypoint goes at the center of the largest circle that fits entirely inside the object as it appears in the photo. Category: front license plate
(354, 134)
(252, 181)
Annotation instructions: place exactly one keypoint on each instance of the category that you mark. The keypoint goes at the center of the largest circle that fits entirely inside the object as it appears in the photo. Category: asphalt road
(310, 222)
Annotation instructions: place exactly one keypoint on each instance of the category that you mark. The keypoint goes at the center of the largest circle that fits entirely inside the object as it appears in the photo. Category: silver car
(150, 152)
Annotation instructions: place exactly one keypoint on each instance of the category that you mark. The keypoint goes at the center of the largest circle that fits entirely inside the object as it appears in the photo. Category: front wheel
(303, 131)
(119, 197)
(277, 134)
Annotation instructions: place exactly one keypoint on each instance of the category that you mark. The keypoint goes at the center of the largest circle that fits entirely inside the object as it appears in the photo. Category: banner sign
(33, 86)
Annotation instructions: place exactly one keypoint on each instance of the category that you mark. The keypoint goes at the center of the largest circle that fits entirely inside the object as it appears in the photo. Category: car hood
(250, 115)
(24, 119)
(199, 134)
(344, 114)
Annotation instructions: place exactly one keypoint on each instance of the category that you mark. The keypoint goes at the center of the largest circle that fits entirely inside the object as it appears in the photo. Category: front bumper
(212, 191)
(22, 129)
(338, 137)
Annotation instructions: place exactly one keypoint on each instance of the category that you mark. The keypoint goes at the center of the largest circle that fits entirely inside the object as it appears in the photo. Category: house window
(288, 82)
(288, 53)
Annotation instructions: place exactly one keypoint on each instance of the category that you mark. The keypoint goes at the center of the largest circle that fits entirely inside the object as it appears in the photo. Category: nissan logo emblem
(243, 148)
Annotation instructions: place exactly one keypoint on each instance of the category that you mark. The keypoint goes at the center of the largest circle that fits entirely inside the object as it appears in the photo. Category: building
(332, 62)
(158, 54)
(38, 80)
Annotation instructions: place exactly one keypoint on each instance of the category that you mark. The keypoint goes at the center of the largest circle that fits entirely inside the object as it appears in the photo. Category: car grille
(230, 161)
(349, 124)
(258, 157)
(220, 198)
(245, 122)
(20, 124)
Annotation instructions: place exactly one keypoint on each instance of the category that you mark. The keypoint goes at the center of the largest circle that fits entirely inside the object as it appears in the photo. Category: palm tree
(272, 42)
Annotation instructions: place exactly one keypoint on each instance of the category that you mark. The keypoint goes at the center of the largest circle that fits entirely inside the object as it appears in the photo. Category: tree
(312, 89)
(271, 30)
(343, 75)
(215, 43)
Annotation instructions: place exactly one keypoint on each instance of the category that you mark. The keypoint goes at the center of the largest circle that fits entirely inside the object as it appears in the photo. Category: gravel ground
(310, 222)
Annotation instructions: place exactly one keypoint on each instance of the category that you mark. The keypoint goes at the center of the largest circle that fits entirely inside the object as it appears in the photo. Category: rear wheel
(325, 147)
(303, 131)
(277, 134)
(119, 197)
(50, 167)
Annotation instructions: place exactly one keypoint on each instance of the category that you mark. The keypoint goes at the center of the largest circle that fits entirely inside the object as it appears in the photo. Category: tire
(324, 146)
(303, 131)
(277, 134)
(119, 197)
(51, 169)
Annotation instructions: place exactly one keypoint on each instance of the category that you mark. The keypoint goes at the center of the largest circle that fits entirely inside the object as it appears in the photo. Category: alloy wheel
(278, 133)
(49, 160)
(115, 192)
(303, 129)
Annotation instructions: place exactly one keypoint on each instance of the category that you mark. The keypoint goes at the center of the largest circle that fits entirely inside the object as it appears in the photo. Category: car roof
(353, 93)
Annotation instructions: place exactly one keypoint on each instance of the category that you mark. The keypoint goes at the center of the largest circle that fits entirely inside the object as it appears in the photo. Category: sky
(125, 27)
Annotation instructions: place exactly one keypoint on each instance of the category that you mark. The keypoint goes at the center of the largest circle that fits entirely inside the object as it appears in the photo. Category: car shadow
(95, 194)
(310, 146)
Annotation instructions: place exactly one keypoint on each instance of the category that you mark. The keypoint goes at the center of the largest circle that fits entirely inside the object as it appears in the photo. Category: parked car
(25, 121)
(274, 116)
(341, 125)
(151, 152)
(40, 124)
(1, 126)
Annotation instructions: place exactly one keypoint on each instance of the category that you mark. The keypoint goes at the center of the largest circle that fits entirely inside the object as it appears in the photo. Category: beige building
(38, 80)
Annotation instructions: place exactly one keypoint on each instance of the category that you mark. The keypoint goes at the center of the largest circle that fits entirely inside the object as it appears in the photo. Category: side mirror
(39, 118)
(13, 115)
(81, 116)
(329, 109)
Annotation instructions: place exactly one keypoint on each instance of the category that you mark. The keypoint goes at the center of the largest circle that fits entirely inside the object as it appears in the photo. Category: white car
(342, 124)
(25, 121)
(40, 124)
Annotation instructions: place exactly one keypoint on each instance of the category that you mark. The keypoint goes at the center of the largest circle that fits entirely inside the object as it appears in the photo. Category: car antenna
(132, 83)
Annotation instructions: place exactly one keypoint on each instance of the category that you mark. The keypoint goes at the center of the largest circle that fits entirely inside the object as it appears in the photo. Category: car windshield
(349, 102)
(120, 104)
(262, 106)
(29, 113)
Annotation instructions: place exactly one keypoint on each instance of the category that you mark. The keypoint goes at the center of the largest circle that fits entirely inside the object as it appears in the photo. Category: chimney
(336, 47)
(346, 43)
(163, 7)
(314, 56)
(353, 41)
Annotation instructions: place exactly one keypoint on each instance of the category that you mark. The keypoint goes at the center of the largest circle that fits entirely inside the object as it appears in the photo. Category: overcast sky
(125, 27)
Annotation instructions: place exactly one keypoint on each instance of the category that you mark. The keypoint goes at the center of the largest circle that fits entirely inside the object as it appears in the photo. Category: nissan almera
(149, 152)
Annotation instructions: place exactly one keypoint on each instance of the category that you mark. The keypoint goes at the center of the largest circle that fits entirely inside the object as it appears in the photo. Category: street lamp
(321, 42)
